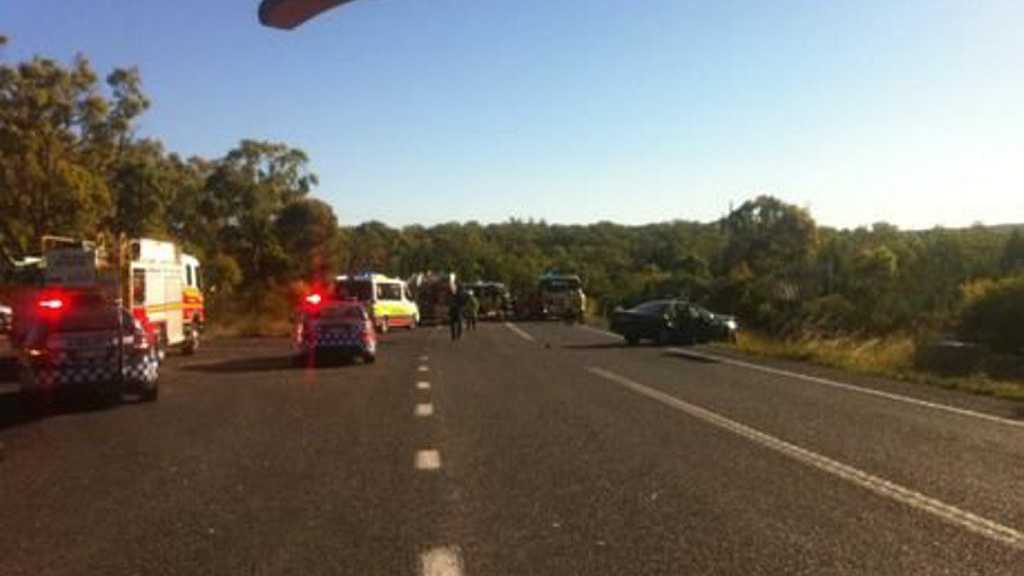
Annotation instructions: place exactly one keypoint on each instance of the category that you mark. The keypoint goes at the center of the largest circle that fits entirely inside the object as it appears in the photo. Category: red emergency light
(52, 304)
(314, 300)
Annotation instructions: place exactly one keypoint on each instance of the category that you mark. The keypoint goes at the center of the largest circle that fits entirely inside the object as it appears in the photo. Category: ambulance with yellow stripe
(387, 299)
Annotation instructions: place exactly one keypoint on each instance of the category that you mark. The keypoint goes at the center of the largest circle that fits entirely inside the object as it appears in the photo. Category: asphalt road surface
(523, 449)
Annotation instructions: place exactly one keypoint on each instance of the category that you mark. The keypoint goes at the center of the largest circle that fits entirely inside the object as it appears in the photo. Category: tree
(1013, 253)
(244, 194)
(58, 147)
(308, 233)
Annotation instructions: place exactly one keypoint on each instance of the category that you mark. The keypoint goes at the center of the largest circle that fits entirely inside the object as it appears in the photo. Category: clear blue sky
(421, 111)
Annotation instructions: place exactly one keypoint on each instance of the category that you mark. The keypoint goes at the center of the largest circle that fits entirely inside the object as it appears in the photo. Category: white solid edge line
(880, 486)
(423, 385)
(835, 384)
(424, 410)
(441, 561)
(852, 388)
(428, 460)
(519, 332)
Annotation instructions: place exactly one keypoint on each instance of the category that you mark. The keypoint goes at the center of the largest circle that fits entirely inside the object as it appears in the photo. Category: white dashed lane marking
(444, 561)
(424, 410)
(423, 369)
(428, 460)
(423, 385)
(519, 332)
(424, 358)
(880, 486)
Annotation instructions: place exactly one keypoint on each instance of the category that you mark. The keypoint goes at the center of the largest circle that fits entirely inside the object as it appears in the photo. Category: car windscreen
(361, 290)
(560, 284)
(389, 291)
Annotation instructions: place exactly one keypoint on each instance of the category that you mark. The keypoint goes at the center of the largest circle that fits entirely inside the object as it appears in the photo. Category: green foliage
(994, 313)
(70, 164)
(1013, 253)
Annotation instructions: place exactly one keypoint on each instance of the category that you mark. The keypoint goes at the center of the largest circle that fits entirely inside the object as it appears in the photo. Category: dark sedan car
(672, 321)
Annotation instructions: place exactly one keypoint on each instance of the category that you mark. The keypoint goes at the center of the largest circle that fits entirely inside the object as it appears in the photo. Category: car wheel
(384, 327)
(632, 340)
(151, 394)
(369, 358)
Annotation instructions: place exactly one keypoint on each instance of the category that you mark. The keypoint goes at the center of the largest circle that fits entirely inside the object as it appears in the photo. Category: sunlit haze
(578, 111)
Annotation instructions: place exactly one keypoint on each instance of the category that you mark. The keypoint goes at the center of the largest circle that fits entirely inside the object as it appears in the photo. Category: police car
(81, 341)
(328, 324)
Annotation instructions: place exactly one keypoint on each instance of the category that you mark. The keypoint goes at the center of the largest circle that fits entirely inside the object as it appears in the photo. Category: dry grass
(892, 357)
(265, 314)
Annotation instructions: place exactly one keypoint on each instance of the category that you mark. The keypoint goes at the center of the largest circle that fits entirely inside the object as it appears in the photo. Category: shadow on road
(599, 346)
(691, 356)
(244, 365)
(13, 412)
(267, 364)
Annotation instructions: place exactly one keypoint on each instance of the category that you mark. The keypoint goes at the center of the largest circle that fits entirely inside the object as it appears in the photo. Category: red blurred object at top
(289, 14)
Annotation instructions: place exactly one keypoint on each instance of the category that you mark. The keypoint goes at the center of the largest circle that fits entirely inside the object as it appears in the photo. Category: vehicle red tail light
(314, 299)
(52, 304)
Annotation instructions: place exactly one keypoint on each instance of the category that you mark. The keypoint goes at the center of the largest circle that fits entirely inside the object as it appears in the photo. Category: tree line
(72, 164)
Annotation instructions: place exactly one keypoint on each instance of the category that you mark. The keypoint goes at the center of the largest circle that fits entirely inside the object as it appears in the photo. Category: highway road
(534, 448)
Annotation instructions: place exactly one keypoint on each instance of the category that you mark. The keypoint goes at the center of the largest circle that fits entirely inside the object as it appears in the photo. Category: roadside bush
(993, 314)
(831, 314)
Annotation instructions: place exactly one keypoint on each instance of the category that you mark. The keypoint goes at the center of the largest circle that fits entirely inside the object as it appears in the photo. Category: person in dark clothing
(456, 312)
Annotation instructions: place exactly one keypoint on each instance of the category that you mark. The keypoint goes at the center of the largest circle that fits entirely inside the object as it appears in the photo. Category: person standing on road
(472, 310)
(455, 313)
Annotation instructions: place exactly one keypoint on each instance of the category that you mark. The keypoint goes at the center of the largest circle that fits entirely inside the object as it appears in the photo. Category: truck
(433, 293)
(161, 285)
(157, 282)
(561, 296)
(495, 300)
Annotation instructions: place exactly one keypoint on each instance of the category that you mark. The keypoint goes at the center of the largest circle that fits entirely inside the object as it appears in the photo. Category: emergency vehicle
(80, 332)
(327, 324)
(433, 293)
(193, 303)
(561, 296)
(386, 299)
(155, 288)
(81, 340)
